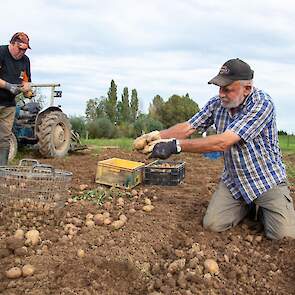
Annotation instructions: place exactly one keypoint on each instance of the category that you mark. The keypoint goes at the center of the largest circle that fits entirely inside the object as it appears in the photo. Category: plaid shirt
(254, 164)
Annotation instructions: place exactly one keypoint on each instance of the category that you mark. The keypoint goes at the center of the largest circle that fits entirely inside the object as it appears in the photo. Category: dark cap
(233, 70)
(21, 38)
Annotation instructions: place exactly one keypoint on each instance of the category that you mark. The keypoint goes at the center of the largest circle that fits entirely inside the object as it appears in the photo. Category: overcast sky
(160, 47)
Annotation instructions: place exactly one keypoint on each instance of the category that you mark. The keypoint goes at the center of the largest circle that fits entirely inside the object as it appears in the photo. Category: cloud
(158, 47)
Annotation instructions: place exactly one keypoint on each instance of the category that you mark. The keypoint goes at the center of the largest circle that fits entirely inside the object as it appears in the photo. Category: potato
(107, 221)
(80, 253)
(28, 270)
(147, 201)
(118, 224)
(98, 219)
(120, 202)
(89, 216)
(106, 214)
(148, 208)
(211, 266)
(19, 234)
(134, 192)
(123, 218)
(33, 237)
(148, 149)
(13, 273)
(139, 143)
(83, 187)
(107, 206)
(89, 223)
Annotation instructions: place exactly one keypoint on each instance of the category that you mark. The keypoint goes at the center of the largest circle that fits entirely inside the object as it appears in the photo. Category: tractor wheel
(54, 135)
(12, 147)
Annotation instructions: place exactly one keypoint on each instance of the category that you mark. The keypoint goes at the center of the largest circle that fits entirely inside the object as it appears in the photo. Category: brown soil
(136, 259)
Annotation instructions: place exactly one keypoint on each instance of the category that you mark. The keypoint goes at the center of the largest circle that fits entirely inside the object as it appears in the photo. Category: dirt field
(157, 252)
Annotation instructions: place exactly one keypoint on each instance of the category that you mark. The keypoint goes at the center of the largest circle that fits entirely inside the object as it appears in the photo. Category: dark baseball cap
(231, 71)
(21, 38)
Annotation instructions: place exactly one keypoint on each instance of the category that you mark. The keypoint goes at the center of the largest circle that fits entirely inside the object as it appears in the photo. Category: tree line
(110, 117)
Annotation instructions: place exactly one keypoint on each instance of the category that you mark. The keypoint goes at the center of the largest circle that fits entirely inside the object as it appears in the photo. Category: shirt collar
(242, 105)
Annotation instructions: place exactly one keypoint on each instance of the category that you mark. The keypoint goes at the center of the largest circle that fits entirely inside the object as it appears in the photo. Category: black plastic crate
(162, 172)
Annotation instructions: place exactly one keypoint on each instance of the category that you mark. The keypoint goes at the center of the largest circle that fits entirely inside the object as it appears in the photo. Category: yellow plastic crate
(119, 173)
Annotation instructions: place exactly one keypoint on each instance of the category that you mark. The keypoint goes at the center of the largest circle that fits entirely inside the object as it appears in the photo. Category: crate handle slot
(28, 162)
(44, 166)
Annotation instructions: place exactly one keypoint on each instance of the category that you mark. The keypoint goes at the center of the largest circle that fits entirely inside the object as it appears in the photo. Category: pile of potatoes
(18, 244)
(146, 142)
(16, 272)
(104, 218)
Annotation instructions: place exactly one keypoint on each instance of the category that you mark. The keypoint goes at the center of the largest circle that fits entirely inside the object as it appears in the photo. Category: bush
(126, 130)
(178, 109)
(145, 123)
(78, 125)
(101, 128)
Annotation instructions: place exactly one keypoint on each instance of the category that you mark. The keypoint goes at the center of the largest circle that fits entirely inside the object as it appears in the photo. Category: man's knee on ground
(212, 224)
(280, 232)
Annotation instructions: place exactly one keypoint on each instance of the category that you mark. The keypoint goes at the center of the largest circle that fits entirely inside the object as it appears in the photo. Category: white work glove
(143, 140)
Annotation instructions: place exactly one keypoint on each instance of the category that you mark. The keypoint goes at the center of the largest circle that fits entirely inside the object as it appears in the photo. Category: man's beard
(232, 104)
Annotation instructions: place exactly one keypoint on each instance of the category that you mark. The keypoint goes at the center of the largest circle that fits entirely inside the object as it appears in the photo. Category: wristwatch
(178, 147)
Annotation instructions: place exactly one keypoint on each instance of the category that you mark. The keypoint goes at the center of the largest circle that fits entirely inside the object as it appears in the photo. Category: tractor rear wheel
(12, 147)
(54, 135)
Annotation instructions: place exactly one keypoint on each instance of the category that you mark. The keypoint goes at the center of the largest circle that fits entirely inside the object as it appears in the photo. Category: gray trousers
(6, 122)
(278, 215)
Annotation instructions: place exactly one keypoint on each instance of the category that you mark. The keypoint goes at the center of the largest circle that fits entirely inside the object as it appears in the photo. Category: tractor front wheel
(54, 135)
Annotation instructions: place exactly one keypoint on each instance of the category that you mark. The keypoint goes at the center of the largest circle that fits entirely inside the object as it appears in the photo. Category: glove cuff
(178, 147)
(7, 86)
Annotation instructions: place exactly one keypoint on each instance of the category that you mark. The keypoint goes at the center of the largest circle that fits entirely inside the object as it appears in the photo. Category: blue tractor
(48, 129)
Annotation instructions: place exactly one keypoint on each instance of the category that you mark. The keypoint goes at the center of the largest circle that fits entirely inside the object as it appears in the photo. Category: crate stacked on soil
(33, 180)
(119, 173)
(162, 172)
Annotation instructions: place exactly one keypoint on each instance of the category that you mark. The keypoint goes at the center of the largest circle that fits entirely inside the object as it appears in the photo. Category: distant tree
(111, 102)
(95, 108)
(91, 109)
(119, 117)
(125, 109)
(178, 109)
(134, 105)
(156, 108)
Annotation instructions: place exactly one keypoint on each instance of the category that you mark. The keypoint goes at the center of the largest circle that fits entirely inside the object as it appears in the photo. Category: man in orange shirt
(15, 75)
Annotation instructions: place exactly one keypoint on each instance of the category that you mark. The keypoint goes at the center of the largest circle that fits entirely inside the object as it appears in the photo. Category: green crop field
(287, 143)
(99, 143)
